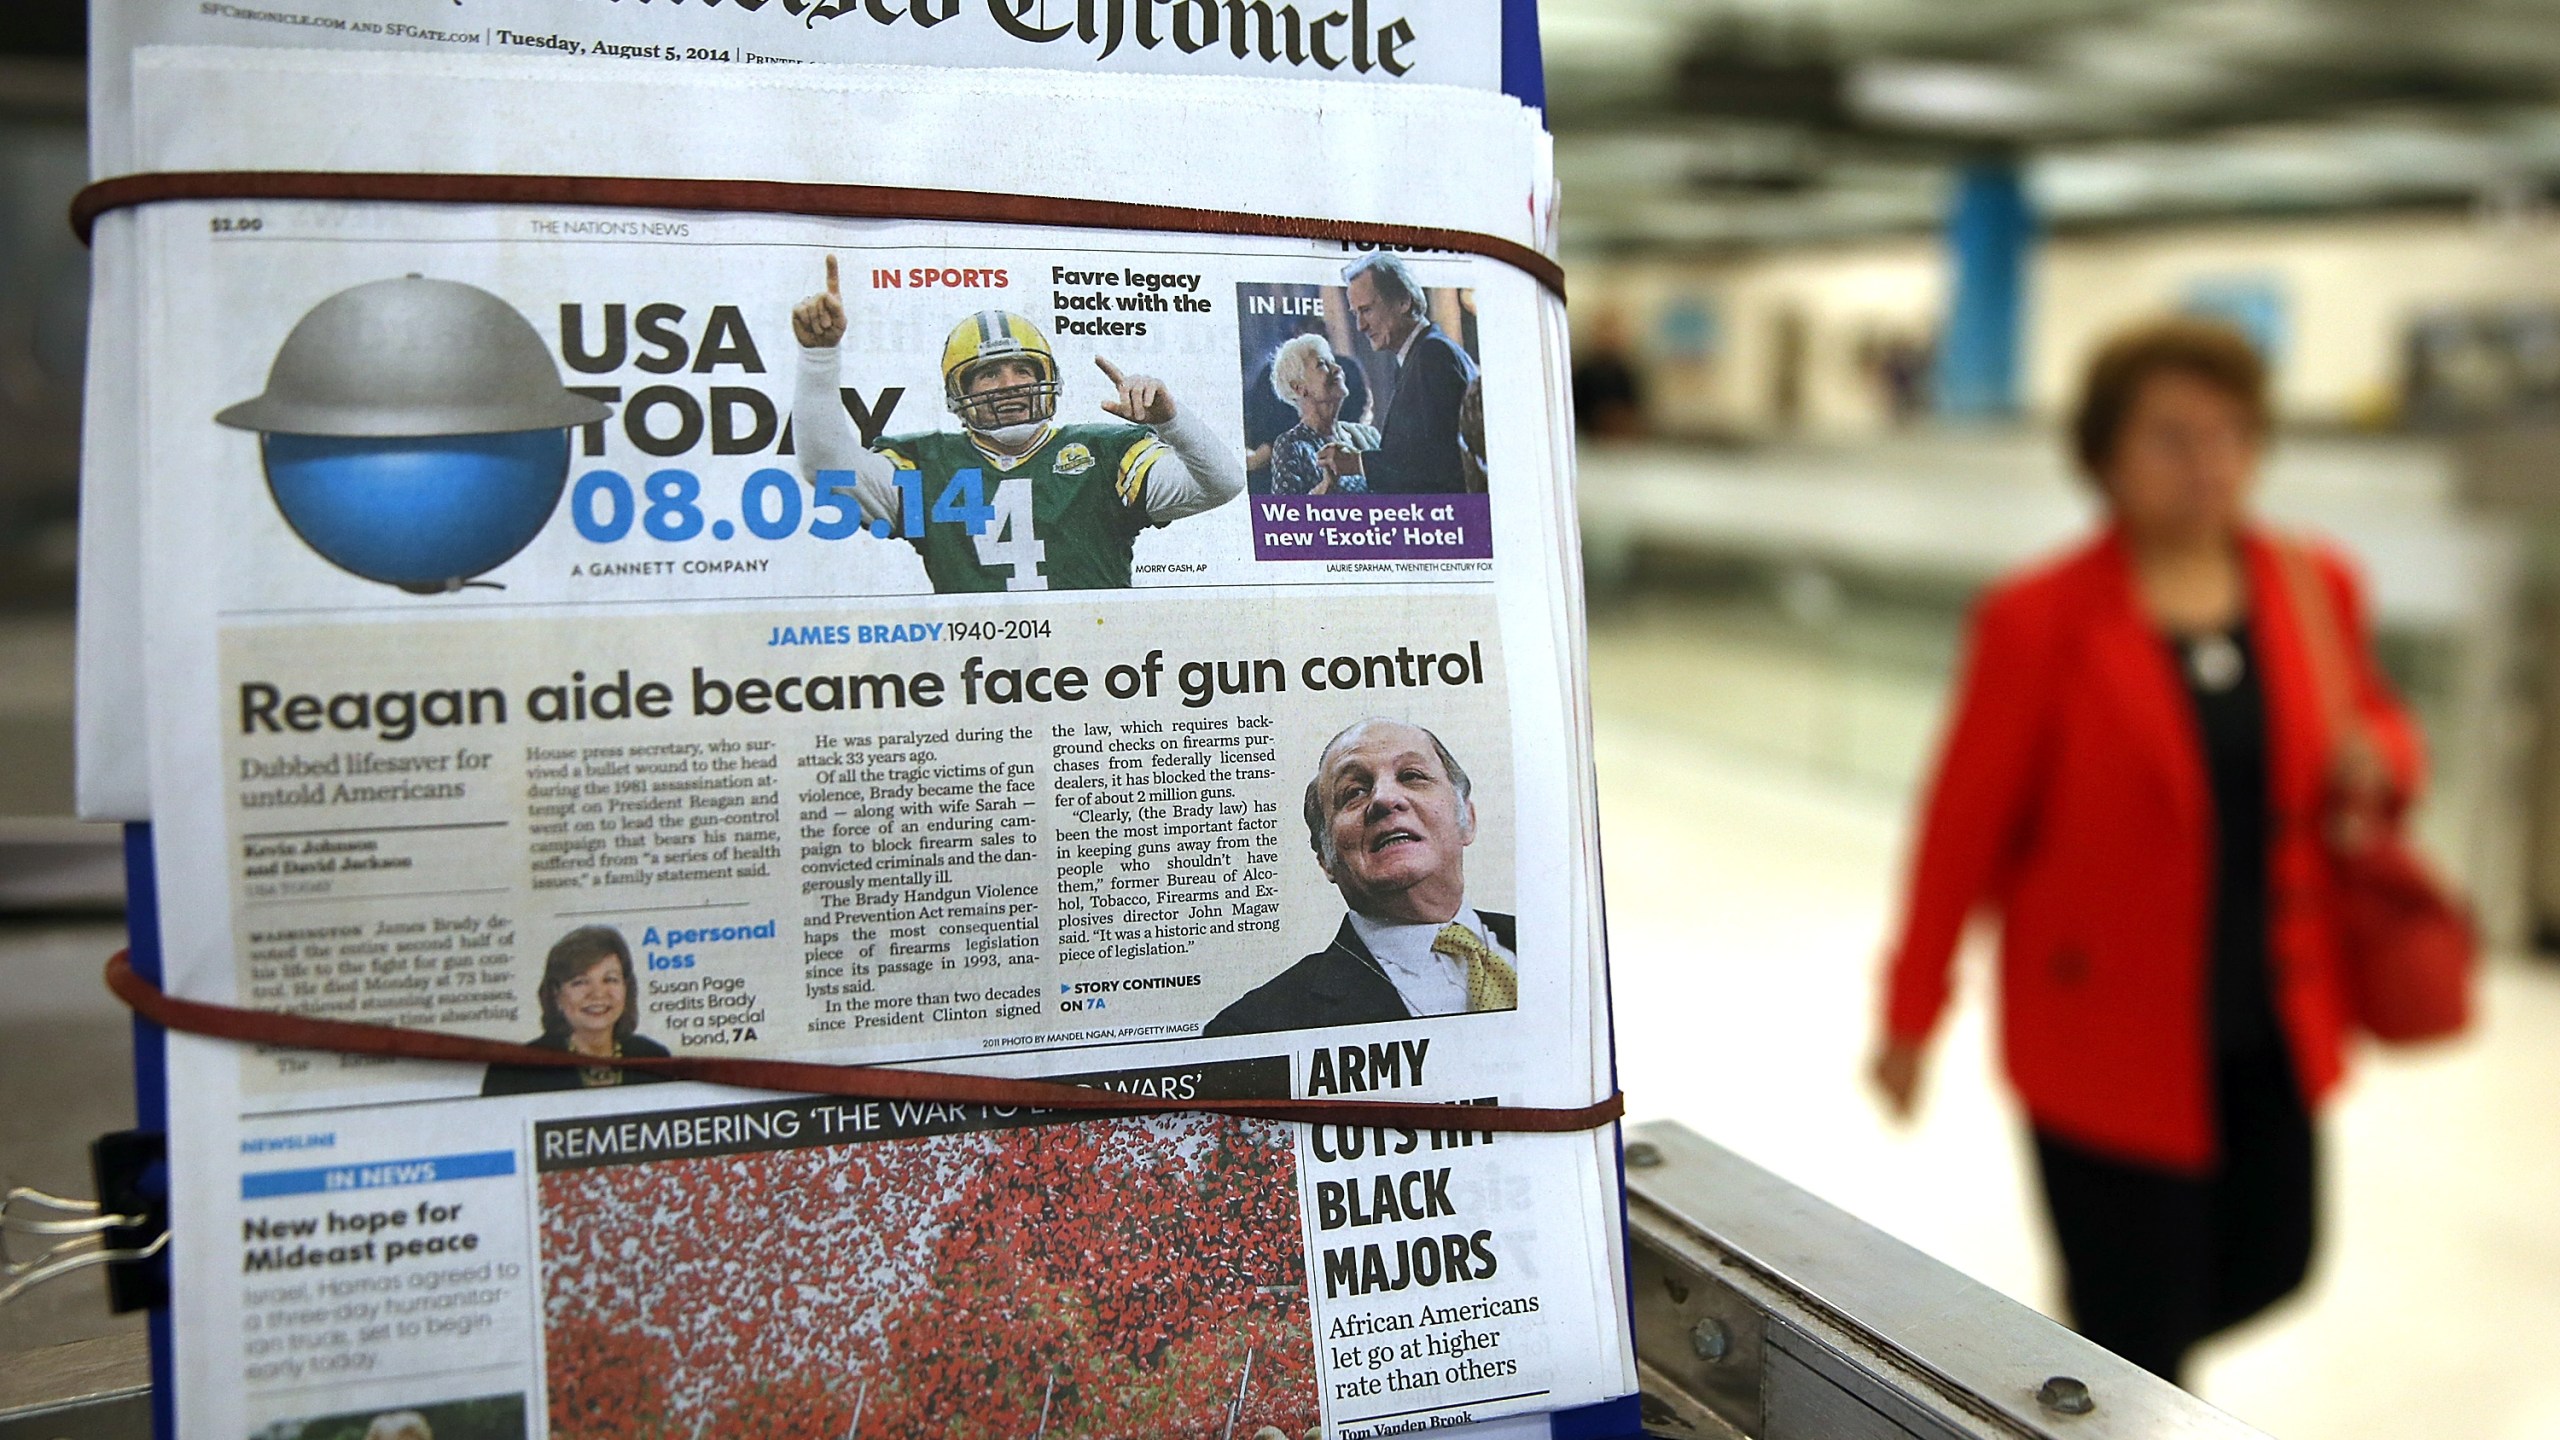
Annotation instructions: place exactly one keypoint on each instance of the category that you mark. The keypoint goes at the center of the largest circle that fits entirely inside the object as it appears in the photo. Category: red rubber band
(781, 197)
(866, 1082)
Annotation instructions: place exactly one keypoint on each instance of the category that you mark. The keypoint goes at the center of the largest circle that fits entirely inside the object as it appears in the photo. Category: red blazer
(2072, 799)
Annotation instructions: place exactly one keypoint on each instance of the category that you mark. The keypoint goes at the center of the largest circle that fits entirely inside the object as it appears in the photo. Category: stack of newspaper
(1144, 657)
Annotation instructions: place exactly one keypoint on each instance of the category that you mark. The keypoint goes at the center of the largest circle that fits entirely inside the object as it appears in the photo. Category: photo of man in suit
(1420, 451)
(1390, 814)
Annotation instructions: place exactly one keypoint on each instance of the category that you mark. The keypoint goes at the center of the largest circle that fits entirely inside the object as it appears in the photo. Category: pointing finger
(1109, 369)
(835, 283)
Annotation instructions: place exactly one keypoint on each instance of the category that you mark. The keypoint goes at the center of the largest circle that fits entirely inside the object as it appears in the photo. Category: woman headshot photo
(1306, 373)
(2141, 783)
(590, 1006)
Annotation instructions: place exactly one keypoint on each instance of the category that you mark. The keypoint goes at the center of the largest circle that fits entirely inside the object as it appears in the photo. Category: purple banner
(1372, 527)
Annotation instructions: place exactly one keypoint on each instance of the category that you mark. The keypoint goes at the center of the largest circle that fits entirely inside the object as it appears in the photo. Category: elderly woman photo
(1305, 373)
(590, 1006)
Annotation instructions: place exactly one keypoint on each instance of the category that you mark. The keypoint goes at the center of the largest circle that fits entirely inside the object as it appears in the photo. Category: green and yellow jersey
(1062, 516)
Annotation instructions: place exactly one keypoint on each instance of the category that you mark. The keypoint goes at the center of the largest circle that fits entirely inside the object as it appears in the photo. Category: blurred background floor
(1748, 891)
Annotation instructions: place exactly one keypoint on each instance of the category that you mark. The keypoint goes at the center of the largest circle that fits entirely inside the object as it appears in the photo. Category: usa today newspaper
(1134, 658)
(1376, 43)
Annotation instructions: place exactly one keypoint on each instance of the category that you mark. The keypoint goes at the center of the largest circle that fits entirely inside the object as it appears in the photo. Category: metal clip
(82, 1231)
(123, 1230)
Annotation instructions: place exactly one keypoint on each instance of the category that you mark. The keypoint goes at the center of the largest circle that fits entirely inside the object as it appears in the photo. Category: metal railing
(1764, 1314)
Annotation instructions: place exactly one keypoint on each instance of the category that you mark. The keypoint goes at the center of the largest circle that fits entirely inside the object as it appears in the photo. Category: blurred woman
(2137, 782)
(589, 1001)
(1305, 373)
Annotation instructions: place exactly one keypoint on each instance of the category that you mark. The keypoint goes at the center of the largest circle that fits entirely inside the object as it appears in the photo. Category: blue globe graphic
(424, 513)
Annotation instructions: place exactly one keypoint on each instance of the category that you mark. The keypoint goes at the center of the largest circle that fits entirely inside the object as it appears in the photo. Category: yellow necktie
(1491, 982)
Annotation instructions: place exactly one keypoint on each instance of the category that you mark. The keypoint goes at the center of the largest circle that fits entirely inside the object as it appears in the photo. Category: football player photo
(1015, 499)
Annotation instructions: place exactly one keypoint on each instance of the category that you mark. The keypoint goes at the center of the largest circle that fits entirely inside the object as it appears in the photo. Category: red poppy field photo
(1097, 1280)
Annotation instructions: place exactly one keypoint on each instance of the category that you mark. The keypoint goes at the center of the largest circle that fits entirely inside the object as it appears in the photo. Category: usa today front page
(1113, 656)
(1410, 44)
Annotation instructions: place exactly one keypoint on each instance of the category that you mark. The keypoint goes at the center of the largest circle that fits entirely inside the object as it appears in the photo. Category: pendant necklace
(2216, 662)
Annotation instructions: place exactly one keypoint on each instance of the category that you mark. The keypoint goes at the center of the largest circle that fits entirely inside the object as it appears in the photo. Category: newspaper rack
(150, 127)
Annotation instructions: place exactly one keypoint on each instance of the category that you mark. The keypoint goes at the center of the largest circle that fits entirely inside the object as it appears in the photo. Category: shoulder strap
(2324, 638)
(2333, 667)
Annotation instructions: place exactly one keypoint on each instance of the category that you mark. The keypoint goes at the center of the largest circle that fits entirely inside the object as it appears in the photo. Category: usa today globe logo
(415, 431)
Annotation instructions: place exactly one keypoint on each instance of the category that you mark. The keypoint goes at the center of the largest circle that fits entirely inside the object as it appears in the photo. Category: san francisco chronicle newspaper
(1129, 657)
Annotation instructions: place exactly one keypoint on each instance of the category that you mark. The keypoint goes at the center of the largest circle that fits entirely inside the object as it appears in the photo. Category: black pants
(2155, 1261)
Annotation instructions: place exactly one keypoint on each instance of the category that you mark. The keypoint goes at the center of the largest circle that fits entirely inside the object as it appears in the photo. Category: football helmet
(987, 337)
